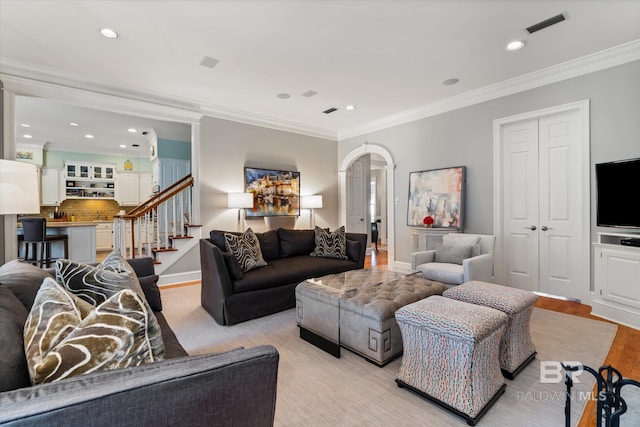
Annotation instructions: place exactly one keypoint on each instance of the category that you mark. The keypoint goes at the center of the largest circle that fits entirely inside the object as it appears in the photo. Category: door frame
(582, 108)
(389, 169)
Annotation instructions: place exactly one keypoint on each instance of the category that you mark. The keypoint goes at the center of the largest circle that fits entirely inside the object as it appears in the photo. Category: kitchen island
(82, 240)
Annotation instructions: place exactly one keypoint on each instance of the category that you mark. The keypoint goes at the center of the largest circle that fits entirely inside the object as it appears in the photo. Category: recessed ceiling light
(132, 130)
(123, 146)
(24, 125)
(88, 136)
(284, 96)
(73, 124)
(109, 33)
(27, 136)
(515, 45)
(350, 107)
(450, 82)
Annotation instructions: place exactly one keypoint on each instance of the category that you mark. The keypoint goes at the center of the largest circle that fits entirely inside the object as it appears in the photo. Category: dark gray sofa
(231, 296)
(210, 389)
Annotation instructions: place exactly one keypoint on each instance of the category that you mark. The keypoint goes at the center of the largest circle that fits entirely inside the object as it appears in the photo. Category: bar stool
(34, 230)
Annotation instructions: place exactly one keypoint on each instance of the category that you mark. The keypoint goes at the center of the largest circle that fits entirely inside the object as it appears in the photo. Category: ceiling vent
(209, 62)
(546, 23)
(309, 93)
(330, 110)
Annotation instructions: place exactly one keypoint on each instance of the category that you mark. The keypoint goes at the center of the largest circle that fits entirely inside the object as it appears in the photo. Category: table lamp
(240, 201)
(312, 203)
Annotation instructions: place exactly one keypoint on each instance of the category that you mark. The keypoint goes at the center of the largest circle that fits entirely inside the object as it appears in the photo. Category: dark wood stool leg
(43, 251)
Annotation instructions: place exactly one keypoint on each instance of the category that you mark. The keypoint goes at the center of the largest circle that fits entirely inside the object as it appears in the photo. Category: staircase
(160, 227)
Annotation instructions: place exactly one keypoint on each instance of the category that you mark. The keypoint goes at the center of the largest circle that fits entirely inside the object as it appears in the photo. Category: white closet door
(542, 198)
(520, 208)
(561, 219)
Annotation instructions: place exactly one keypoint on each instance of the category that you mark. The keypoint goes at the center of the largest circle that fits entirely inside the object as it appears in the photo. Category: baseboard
(615, 313)
(176, 278)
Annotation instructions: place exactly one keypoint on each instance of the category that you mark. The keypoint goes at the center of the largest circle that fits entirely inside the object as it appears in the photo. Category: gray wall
(465, 137)
(1, 157)
(227, 147)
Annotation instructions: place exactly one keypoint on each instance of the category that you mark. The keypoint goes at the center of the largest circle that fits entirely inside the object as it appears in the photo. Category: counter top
(61, 224)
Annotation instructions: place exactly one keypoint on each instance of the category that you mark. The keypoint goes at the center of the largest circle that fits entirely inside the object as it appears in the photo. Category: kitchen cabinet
(104, 236)
(50, 187)
(127, 188)
(145, 186)
(83, 180)
(617, 279)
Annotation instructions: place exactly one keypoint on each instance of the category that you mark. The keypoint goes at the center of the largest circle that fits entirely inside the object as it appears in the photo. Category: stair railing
(159, 218)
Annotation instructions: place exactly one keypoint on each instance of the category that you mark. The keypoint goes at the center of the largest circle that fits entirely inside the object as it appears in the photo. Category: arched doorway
(389, 167)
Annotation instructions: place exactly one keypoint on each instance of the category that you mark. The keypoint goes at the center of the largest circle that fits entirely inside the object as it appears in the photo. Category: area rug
(316, 389)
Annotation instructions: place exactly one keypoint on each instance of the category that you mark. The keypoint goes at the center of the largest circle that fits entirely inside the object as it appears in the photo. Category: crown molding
(56, 146)
(608, 58)
(25, 78)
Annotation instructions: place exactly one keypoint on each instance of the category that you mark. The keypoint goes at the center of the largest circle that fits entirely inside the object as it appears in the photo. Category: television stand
(617, 278)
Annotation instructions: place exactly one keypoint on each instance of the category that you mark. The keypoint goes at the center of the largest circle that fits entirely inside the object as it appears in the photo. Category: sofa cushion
(296, 242)
(233, 268)
(61, 341)
(23, 279)
(330, 244)
(246, 249)
(353, 250)
(95, 284)
(217, 238)
(284, 271)
(269, 244)
(149, 285)
(452, 254)
(14, 373)
(459, 239)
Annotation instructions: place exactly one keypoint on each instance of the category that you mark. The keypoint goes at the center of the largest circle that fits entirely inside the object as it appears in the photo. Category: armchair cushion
(471, 240)
(452, 254)
(442, 272)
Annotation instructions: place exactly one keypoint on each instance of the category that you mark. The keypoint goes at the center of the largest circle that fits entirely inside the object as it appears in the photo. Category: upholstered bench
(367, 322)
(516, 348)
(451, 354)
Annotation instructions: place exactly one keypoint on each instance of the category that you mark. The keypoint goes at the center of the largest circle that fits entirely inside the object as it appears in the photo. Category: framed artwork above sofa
(275, 192)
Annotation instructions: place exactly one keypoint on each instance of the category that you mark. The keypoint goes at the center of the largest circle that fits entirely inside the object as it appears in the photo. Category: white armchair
(460, 259)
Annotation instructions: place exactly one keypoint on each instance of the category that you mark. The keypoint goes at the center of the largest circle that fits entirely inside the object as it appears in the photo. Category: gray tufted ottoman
(451, 354)
(367, 322)
(516, 348)
(356, 310)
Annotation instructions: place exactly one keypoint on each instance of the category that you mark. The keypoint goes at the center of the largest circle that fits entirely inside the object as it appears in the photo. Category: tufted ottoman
(451, 354)
(516, 348)
(367, 322)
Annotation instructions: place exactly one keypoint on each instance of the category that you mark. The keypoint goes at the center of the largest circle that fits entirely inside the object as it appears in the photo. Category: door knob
(545, 228)
(532, 228)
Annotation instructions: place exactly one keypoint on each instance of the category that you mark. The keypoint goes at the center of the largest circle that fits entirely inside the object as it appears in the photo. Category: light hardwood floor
(624, 354)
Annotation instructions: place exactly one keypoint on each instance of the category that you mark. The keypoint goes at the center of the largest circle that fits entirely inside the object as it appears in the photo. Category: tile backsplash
(85, 210)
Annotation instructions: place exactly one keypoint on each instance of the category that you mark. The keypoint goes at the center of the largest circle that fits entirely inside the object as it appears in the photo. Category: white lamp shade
(19, 193)
(311, 202)
(239, 200)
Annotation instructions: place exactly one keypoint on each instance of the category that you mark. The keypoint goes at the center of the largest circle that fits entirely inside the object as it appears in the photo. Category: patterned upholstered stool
(516, 348)
(451, 354)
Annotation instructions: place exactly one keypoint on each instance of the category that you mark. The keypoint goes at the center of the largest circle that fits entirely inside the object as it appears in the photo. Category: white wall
(227, 147)
(464, 137)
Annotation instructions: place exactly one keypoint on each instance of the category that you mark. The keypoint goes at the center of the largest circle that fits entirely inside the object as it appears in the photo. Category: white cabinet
(145, 186)
(50, 187)
(617, 279)
(83, 180)
(127, 189)
(104, 236)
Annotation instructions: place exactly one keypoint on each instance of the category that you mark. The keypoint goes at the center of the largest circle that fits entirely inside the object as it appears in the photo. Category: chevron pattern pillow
(66, 336)
(246, 249)
(330, 244)
(96, 284)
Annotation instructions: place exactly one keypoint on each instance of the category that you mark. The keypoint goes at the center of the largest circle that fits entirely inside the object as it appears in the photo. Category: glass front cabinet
(85, 180)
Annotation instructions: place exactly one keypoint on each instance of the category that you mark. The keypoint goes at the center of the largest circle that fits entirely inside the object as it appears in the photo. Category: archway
(389, 179)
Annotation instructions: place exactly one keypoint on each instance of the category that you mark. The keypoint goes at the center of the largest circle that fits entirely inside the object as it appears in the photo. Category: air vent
(209, 62)
(145, 132)
(546, 23)
(135, 145)
(330, 110)
(310, 93)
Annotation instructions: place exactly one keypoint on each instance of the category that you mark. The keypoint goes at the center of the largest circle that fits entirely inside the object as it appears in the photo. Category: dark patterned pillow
(61, 342)
(452, 254)
(95, 284)
(330, 244)
(246, 249)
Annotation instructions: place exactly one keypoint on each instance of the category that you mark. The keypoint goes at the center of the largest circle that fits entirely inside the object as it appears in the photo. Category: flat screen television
(617, 186)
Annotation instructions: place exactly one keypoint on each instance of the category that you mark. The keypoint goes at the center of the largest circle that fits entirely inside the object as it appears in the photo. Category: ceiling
(388, 58)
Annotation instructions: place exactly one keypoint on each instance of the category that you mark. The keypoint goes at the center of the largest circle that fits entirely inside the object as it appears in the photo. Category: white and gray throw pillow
(452, 254)
(246, 249)
(330, 244)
